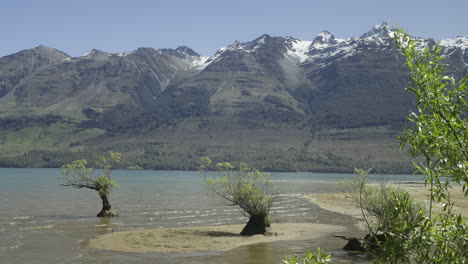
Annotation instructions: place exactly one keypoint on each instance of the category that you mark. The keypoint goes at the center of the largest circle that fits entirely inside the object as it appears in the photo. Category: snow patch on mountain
(458, 42)
(324, 40)
(199, 63)
(85, 55)
(323, 55)
(452, 45)
(380, 31)
(95, 55)
(248, 47)
(262, 40)
(325, 37)
(236, 46)
(325, 48)
(299, 49)
(124, 54)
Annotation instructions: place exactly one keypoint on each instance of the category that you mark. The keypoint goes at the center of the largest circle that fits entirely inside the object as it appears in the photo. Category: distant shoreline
(191, 170)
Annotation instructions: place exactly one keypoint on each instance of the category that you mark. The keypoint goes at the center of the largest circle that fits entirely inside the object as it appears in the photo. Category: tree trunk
(106, 210)
(258, 224)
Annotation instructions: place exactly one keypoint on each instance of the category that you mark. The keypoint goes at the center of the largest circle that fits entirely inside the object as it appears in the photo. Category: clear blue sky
(77, 26)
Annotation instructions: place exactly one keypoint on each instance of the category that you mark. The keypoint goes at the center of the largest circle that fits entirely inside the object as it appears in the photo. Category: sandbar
(224, 237)
(210, 238)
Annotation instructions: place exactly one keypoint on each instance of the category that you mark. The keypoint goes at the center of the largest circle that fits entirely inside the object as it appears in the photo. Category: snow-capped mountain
(382, 31)
(458, 42)
(267, 83)
(266, 66)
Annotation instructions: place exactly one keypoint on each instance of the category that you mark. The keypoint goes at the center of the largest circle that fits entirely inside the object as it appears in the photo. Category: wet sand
(337, 203)
(211, 238)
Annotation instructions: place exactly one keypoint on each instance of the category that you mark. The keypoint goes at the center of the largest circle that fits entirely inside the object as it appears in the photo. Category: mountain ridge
(166, 108)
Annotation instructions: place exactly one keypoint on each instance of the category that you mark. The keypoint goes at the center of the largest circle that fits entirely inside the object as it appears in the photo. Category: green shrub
(310, 258)
(247, 188)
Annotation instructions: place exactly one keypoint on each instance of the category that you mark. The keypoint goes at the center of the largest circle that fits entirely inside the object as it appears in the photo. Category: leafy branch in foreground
(246, 188)
(440, 137)
(440, 128)
(78, 175)
(319, 257)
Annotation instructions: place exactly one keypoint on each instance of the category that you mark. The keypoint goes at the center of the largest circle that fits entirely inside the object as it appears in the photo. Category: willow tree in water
(246, 188)
(78, 175)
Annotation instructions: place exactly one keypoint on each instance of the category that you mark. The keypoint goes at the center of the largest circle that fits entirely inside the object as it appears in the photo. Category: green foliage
(440, 127)
(247, 188)
(402, 220)
(315, 152)
(440, 137)
(381, 204)
(319, 257)
(50, 132)
(443, 239)
(373, 200)
(78, 175)
(389, 213)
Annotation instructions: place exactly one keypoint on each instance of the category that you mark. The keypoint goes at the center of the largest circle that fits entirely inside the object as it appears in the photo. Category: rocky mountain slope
(278, 102)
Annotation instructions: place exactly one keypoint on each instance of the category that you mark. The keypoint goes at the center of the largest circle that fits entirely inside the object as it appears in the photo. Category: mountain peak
(186, 50)
(182, 52)
(382, 30)
(248, 46)
(324, 37)
(47, 51)
(262, 38)
(42, 47)
(95, 54)
(258, 42)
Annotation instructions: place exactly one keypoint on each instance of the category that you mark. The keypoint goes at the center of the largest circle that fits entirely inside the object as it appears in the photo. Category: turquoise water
(43, 222)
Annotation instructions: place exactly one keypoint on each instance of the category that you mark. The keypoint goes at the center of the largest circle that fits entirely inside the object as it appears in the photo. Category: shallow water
(42, 222)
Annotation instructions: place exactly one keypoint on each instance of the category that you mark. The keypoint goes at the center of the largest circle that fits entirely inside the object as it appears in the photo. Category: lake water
(43, 222)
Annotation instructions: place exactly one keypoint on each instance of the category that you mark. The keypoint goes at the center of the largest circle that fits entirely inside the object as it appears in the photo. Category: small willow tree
(246, 188)
(78, 175)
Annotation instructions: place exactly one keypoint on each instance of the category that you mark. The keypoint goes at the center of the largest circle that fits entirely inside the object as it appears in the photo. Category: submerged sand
(337, 203)
(211, 238)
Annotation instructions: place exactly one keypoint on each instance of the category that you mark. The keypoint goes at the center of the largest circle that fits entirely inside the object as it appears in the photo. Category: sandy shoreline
(216, 238)
(421, 193)
(336, 202)
(211, 238)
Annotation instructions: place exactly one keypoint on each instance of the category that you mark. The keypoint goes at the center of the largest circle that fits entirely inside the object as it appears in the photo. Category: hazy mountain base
(180, 145)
